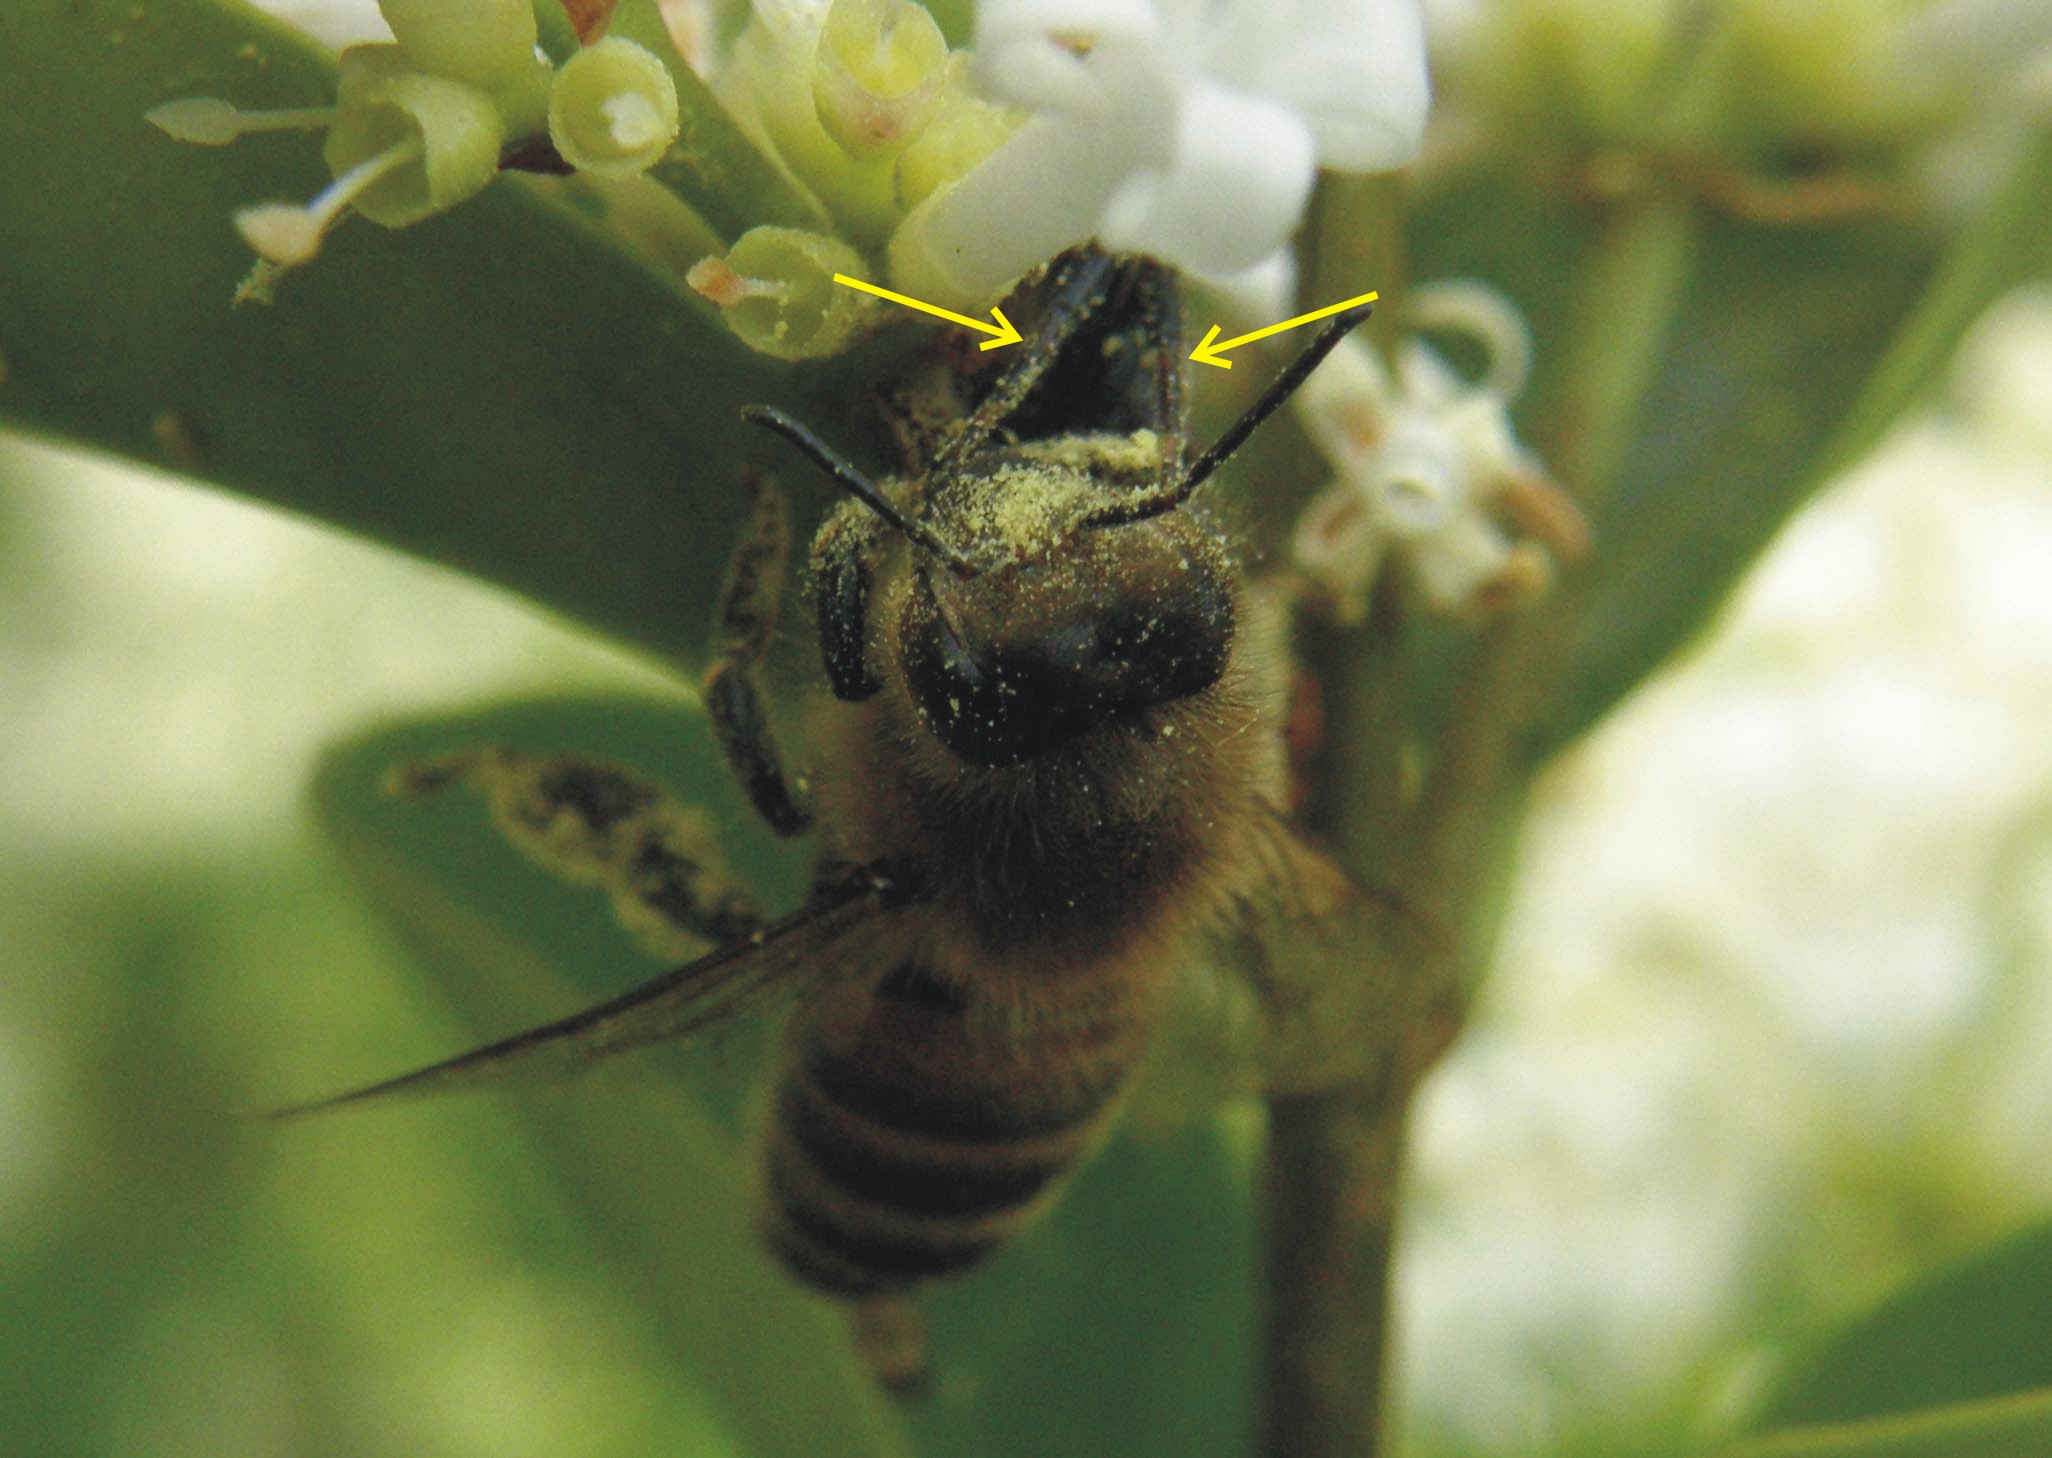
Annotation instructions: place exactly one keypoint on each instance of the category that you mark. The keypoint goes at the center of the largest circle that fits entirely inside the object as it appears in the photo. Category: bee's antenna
(856, 484)
(1280, 389)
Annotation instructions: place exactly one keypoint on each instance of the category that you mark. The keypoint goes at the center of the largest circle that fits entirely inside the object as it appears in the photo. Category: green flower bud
(780, 46)
(382, 108)
(776, 288)
(963, 130)
(477, 41)
(1570, 70)
(878, 71)
(613, 109)
(402, 145)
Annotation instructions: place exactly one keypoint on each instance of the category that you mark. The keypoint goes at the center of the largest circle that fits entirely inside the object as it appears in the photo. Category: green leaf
(2005, 244)
(1980, 1329)
(501, 388)
(1775, 332)
(660, 1181)
(2011, 1427)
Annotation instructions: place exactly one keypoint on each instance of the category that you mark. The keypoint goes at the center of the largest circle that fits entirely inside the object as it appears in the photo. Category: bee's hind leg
(890, 1335)
(744, 623)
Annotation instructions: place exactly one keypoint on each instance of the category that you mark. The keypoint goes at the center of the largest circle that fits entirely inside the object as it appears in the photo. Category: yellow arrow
(1208, 353)
(1004, 331)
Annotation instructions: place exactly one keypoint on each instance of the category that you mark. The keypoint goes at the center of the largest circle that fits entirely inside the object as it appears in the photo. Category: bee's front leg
(744, 622)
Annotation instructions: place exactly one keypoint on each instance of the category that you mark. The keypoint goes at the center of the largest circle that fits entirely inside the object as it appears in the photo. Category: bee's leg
(594, 823)
(920, 419)
(841, 572)
(890, 1335)
(1161, 315)
(1075, 288)
(743, 624)
(1266, 404)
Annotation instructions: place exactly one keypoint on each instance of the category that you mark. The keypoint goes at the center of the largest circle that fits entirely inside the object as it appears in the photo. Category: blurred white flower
(1187, 129)
(338, 23)
(1989, 37)
(1429, 468)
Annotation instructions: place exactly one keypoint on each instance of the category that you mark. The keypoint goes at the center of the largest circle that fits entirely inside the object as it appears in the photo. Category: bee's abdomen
(909, 1138)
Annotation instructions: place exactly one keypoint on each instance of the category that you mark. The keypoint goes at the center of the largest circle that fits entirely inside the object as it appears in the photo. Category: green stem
(1335, 1157)
(1333, 1163)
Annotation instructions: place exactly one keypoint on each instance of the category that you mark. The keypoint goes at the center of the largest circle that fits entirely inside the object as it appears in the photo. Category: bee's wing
(1309, 983)
(729, 980)
(1338, 969)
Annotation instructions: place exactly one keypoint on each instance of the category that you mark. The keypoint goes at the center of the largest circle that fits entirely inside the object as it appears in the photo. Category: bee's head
(1075, 627)
(1057, 586)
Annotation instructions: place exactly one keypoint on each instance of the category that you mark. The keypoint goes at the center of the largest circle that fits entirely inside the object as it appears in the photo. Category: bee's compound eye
(1019, 665)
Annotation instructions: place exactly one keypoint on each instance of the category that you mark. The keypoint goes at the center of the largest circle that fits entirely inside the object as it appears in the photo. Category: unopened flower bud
(466, 40)
(613, 109)
(451, 132)
(776, 289)
(878, 72)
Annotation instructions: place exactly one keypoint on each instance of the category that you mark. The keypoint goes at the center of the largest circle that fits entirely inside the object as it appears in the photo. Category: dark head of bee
(1109, 623)
(1057, 589)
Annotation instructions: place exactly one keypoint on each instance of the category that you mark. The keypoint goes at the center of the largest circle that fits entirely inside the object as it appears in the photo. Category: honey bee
(1047, 767)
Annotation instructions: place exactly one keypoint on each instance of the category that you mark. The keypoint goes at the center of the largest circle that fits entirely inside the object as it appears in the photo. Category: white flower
(339, 23)
(1995, 48)
(1430, 469)
(1187, 129)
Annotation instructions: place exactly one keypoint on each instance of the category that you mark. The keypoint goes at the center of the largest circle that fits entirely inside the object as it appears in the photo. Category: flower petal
(337, 23)
(1035, 195)
(1456, 562)
(1256, 296)
(1346, 404)
(1354, 71)
(1417, 480)
(1026, 50)
(1231, 196)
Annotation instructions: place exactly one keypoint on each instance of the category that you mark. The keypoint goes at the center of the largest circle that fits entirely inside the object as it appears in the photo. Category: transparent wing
(1309, 984)
(742, 974)
(1339, 970)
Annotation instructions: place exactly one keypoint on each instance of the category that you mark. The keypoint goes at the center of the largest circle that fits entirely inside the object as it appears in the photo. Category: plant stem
(1333, 1162)
(1335, 1157)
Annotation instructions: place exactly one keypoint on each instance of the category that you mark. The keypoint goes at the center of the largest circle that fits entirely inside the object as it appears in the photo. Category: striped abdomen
(912, 1133)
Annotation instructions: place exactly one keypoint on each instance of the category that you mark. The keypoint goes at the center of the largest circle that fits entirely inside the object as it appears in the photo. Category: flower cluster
(1187, 129)
(1784, 114)
(422, 123)
(1430, 471)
